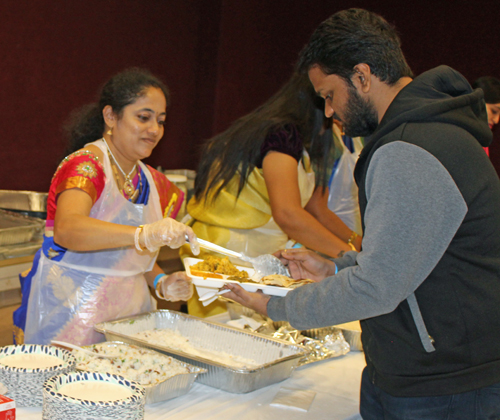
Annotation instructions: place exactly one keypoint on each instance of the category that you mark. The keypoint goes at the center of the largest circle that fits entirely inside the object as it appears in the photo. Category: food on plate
(217, 265)
(205, 274)
(274, 280)
(173, 339)
(141, 365)
(242, 279)
(284, 281)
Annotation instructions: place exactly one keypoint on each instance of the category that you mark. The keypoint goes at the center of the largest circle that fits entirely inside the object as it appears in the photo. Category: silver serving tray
(30, 203)
(170, 388)
(276, 358)
(23, 200)
(17, 229)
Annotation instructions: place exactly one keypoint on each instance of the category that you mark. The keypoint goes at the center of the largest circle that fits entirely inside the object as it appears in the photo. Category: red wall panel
(220, 58)
(56, 55)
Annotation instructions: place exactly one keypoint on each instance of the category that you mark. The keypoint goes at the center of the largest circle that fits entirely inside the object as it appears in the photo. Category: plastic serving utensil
(210, 295)
(75, 347)
(264, 265)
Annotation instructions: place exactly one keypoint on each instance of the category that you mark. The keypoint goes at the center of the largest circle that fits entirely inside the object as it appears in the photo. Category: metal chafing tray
(276, 358)
(172, 387)
(29, 203)
(17, 229)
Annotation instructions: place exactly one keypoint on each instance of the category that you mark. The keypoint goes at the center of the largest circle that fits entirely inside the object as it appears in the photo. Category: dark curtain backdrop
(220, 58)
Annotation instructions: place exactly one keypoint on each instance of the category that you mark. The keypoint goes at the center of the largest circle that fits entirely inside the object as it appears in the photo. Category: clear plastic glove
(168, 232)
(177, 286)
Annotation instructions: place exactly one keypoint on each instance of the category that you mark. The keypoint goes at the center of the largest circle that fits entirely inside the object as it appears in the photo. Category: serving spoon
(264, 265)
(75, 347)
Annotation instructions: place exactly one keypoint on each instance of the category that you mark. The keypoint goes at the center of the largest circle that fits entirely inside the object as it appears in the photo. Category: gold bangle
(158, 293)
(352, 246)
(136, 238)
(354, 235)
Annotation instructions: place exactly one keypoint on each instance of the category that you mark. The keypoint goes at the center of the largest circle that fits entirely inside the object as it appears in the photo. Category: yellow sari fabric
(214, 219)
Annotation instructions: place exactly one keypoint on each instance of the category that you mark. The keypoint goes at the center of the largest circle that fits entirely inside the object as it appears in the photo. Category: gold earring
(110, 132)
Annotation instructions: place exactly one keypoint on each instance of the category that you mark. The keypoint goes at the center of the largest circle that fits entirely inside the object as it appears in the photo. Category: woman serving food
(105, 220)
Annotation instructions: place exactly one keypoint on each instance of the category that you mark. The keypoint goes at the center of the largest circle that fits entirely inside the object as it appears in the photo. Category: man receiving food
(426, 282)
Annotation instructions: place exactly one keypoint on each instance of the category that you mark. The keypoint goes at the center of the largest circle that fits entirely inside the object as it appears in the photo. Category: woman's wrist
(137, 239)
(352, 240)
(158, 279)
(157, 285)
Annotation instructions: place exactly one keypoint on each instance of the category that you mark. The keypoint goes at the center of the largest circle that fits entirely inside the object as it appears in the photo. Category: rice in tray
(176, 341)
(134, 363)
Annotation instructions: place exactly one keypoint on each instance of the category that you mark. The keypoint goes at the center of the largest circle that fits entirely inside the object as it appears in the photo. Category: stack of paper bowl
(24, 369)
(77, 395)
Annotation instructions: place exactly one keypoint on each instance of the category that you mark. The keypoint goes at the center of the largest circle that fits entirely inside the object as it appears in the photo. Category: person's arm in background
(280, 173)
(318, 207)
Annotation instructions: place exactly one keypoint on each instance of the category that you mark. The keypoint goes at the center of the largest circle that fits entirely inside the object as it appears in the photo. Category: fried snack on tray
(216, 265)
(276, 280)
(283, 281)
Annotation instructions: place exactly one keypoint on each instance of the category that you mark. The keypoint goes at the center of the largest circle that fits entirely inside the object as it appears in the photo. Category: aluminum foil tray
(322, 343)
(276, 358)
(30, 203)
(170, 388)
(17, 229)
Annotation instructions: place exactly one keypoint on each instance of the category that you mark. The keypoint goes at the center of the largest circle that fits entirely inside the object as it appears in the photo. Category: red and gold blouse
(83, 170)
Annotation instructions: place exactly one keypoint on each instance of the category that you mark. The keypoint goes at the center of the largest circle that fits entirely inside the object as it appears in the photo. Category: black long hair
(491, 88)
(86, 124)
(237, 150)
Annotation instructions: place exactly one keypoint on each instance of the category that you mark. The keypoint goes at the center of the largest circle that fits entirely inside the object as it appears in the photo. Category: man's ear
(362, 77)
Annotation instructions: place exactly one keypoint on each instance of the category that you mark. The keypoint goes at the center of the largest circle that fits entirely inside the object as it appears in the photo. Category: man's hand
(306, 264)
(256, 301)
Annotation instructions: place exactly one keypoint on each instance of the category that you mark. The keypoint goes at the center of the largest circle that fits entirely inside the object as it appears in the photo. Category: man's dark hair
(351, 37)
(491, 88)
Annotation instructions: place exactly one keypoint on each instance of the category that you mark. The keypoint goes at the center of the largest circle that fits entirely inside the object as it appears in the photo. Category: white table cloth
(336, 383)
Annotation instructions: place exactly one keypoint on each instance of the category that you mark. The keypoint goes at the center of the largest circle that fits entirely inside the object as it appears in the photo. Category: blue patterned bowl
(25, 384)
(59, 406)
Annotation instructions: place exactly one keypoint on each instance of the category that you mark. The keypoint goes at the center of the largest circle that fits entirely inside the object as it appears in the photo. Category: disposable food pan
(29, 203)
(172, 387)
(275, 359)
(16, 228)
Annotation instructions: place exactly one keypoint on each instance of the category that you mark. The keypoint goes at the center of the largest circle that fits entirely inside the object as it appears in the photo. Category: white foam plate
(95, 391)
(211, 283)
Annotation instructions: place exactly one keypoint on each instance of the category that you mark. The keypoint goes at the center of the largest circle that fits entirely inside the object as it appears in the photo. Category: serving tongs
(264, 265)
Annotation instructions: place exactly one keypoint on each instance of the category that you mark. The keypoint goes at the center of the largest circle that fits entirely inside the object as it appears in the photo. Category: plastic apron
(84, 288)
(343, 191)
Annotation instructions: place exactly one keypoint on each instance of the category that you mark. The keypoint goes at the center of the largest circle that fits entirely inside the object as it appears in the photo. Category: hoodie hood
(438, 95)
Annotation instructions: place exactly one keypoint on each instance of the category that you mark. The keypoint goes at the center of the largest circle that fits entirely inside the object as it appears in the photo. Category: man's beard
(360, 118)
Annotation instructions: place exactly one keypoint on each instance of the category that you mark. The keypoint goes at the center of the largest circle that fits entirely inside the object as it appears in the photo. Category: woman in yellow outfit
(255, 188)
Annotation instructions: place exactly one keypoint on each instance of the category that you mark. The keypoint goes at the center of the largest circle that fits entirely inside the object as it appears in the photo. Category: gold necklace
(128, 185)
